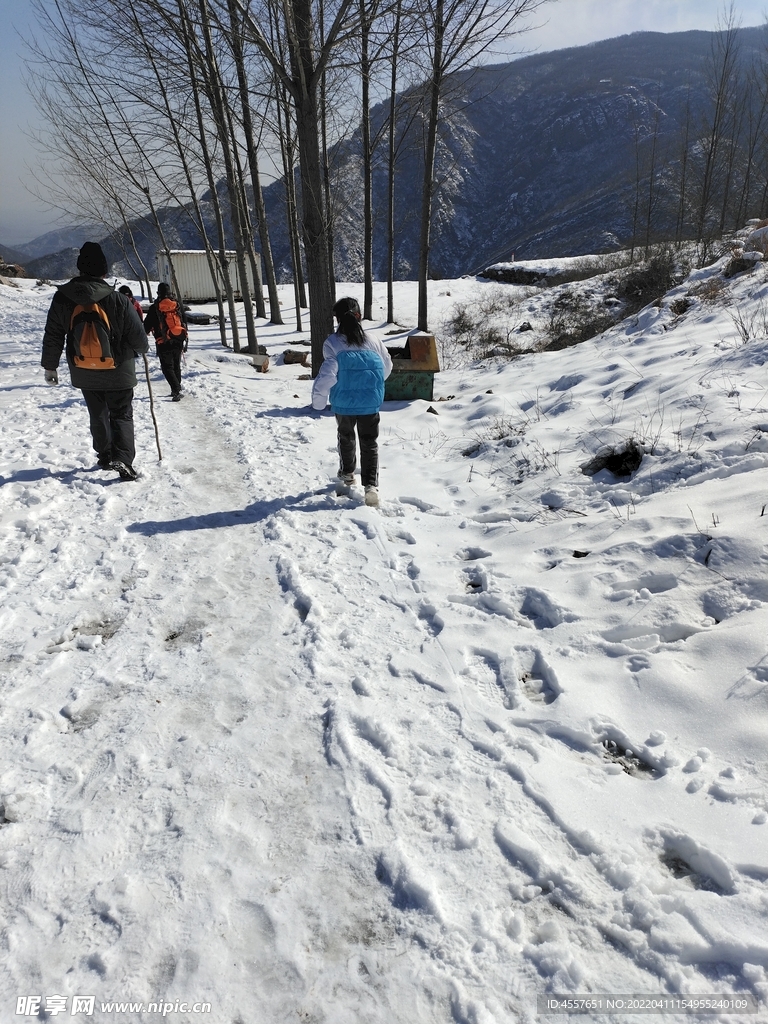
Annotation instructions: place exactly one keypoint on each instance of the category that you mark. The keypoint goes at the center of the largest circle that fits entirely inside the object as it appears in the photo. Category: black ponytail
(347, 312)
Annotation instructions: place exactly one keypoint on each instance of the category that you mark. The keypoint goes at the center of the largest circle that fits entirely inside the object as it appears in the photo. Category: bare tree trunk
(652, 176)
(427, 188)
(315, 219)
(182, 154)
(253, 164)
(638, 180)
(724, 60)
(302, 80)
(684, 158)
(737, 124)
(327, 196)
(391, 170)
(218, 101)
(754, 132)
(144, 276)
(315, 236)
(163, 242)
(365, 74)
(245, 219)
(283, 108)
(223, 261)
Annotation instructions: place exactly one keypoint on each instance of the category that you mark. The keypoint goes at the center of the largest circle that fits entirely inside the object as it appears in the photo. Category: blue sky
(561, 23)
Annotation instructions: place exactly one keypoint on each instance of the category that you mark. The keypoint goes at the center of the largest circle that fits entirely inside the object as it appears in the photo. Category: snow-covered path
(303, 759)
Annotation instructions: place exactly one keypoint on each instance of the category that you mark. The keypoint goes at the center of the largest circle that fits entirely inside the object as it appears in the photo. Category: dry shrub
(649, 281)
(680, 306)
(738, 265)
(710, 291)
(574, 319)
(481, 327)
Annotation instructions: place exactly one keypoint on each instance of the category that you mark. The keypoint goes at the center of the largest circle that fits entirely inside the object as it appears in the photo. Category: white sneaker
(343, 483)
(371, 496)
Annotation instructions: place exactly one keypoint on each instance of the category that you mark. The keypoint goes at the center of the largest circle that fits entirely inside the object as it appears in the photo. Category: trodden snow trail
(303, 759)
(163, 770)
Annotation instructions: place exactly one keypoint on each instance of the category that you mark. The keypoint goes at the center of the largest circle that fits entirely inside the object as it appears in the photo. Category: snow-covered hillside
(305, 760)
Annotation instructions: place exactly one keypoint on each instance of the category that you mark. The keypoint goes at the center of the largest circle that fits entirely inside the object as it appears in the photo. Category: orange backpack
(172, 330)
(91, 337)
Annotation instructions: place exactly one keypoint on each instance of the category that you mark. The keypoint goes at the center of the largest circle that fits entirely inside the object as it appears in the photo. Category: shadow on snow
(255, 513)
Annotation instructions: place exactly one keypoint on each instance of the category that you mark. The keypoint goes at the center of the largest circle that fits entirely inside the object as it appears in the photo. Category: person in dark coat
(168, 345)
(108, 392)
(125, 290)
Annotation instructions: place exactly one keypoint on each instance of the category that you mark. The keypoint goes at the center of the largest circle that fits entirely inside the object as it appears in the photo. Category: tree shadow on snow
(27, 476)
(289, 413)
(255, 513)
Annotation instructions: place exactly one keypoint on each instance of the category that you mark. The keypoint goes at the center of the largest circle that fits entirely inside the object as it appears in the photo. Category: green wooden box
(413, 370)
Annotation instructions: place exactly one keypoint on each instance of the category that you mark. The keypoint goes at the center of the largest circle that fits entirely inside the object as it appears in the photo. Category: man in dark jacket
(108, 393)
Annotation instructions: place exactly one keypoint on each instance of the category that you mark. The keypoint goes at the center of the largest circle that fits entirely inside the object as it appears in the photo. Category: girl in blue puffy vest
(355, 366)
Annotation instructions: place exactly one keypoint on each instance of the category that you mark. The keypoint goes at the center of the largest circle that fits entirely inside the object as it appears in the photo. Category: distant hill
(179, 231)
(61, 238)
(9, 255)
(538, 159)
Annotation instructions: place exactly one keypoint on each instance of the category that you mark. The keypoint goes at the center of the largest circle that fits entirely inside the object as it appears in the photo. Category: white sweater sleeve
(326, 378)
(386, 358)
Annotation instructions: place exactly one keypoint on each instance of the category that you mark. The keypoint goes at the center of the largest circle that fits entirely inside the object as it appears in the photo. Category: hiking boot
(126, 472)
(104, 461)
(343, 483)
(176, 397)
(371, 496)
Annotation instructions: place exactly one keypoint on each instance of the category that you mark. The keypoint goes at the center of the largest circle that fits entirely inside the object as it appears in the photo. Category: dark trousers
(170, 364)
(111, 415)
(368, 433)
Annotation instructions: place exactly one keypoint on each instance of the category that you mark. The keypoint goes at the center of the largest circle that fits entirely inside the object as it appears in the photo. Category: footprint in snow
(647, 637)
(484, 670)
(475, 580)
(690, 861)
(658, 583)
(403, 535)
(626, 760)
(542, 611)
(432, 621)
(472, 554)
(536, 678)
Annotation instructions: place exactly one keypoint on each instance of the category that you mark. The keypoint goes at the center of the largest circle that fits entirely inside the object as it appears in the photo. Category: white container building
(194, 275)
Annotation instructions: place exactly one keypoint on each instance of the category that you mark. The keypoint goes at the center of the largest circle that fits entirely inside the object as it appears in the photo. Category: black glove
(51, 377)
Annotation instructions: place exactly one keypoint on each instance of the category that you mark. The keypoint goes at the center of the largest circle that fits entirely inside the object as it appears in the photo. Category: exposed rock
(622, 461)
(11, 270)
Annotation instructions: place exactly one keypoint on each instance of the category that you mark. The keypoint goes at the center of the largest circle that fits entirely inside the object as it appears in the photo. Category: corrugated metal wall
(194, 275)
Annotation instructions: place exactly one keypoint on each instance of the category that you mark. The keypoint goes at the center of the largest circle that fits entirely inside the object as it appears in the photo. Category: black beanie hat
(92, 260)
(163, 290)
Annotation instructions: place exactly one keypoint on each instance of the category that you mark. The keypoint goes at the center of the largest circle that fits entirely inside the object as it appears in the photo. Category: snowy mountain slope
(536, 158)
(296, 757)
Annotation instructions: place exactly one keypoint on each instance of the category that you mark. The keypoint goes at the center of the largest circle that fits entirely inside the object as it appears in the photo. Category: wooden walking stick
(152, 407)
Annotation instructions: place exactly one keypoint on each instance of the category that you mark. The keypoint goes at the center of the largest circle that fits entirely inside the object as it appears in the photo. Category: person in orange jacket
(166, 321)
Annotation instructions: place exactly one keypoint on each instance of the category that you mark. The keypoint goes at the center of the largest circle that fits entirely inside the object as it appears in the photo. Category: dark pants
(111, 415)
(170, 364)
(368, 433)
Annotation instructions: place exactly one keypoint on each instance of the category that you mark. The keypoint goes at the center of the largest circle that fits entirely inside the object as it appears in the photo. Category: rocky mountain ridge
(537, 159)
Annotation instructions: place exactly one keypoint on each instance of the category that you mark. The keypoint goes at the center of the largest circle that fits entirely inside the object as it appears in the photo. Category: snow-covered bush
(484, 327)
